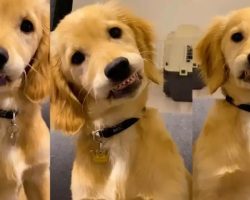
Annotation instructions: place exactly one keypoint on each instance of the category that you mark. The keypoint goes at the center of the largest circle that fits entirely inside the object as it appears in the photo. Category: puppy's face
(224, 52)
(103, 54)
(21, 32)
(100, 52)
(236, 47)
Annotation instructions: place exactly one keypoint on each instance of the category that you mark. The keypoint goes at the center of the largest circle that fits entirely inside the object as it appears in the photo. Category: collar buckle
(98, 136)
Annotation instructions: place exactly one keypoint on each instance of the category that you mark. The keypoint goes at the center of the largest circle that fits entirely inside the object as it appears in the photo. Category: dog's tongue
(3, 80)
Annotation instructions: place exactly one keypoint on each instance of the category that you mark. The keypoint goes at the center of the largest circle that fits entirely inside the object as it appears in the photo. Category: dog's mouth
(245, 76)
(4, 80)
(126, 87)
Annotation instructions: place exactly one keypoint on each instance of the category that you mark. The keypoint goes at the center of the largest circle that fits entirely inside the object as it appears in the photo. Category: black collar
(111, 131)
(10, 114)
(245, 107)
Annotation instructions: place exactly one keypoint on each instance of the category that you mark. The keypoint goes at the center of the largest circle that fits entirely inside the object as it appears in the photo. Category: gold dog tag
(100, 156)
(13, 131)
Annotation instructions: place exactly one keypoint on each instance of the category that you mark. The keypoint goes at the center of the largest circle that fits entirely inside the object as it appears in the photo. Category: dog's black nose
(118, 70)
(4, 57)
(248, 58)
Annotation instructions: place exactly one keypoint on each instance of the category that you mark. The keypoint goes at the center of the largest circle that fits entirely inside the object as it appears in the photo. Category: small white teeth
(127, 82)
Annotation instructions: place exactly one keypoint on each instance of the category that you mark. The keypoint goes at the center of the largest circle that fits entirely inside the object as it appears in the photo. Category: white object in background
(179, 49)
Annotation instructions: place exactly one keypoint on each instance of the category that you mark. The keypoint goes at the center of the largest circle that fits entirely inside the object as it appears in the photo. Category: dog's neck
(12, 98)
(103, 115)
(239, 94)
(8, 99)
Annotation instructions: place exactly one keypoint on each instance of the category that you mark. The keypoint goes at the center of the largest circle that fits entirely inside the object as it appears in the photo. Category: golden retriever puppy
(24, 137)
(102, 60)
(222, 152)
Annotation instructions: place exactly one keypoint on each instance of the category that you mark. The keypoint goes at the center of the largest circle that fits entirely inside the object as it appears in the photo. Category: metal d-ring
(13, 130)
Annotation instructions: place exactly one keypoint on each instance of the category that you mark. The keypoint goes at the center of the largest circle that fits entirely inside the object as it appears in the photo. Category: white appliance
(180, 69)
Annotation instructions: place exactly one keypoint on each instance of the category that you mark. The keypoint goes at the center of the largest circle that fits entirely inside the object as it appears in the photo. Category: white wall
(166, 15)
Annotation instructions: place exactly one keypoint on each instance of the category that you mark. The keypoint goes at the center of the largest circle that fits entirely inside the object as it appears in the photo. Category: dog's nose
(118, 70)
(248, 58)
(4, 57)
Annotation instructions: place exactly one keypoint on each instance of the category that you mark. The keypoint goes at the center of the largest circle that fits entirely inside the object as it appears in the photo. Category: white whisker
(34, 69)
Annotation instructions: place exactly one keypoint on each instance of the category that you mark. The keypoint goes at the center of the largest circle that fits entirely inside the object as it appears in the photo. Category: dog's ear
(210, 56)
(36, 85)
(66, 111)
(144, 39)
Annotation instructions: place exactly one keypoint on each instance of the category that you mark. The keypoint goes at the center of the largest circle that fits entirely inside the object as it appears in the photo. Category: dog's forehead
(88, 21)
(99, 11)
(239, 18)
(243, 13)
(93, 13)
(20, 7)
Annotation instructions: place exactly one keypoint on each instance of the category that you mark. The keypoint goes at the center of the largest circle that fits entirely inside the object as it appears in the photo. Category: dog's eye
(115, 32)
(27, 26)
(237, 37)
(77, 58)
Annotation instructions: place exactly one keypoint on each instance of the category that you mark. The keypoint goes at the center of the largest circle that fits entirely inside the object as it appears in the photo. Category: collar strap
(245, 107)
(10, 114)
(114, 130)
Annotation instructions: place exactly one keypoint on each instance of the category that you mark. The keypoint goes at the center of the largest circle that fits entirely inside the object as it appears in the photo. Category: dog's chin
(128, 88)
(4, 80)
(244, 78)
(9, 82)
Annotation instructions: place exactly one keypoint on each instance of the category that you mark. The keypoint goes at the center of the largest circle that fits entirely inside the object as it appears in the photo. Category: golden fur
(25, 165)
(222, 152)
(144, 162)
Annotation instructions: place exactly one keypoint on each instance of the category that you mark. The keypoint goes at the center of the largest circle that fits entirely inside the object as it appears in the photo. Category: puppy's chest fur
(246, 128)
(13, 163)
(116, 173)
(135, 156)
(235, 133)
(122, 150)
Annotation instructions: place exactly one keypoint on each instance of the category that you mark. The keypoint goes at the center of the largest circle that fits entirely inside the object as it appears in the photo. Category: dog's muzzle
(245, 75)
(123, 78)
(5, 79)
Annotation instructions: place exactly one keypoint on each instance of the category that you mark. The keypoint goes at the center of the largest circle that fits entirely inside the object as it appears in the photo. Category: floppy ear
(144, 39)
(66, 111)
(210, 56)
(36, 86)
